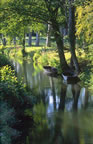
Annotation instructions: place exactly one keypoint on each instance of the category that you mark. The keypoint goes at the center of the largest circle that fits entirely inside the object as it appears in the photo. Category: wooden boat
(50, 70)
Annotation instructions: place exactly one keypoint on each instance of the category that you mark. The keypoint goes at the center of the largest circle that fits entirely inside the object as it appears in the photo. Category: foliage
(14, 99)
(7, 120)
(12, 90)
(30, 13)
(43, 59)
(46, 58)
(15, 24)
(87, 74)
(4, 61)
(89, 52)
(36, 55)
(8, 83)
(85, 77)
(84, 23)
(11, 23)
(39, 111)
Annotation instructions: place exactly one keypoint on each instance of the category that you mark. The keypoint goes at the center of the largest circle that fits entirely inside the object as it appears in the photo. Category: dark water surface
(64, 113)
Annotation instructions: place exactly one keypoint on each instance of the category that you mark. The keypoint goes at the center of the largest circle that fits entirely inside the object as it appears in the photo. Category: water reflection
(62, 114)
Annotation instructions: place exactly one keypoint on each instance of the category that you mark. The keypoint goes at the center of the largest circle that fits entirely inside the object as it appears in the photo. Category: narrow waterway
(64, 113)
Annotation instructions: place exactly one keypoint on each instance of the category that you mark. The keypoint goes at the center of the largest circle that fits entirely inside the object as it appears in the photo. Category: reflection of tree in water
(53, 91)
(25, 73)
(58, 132)
(62, 126)
(84, 97)
(71, 133)
(71, 129)
(59, 136)
(62, 98)
(65, 128)
(76, 93)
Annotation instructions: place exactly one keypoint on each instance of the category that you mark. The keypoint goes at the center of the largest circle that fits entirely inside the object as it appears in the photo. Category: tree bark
(72, 37)
(14, 40)
(30, 39)
(48, 39)
(58, 38)
(23, 50)
(60, 46)
(37, 39)
(66, 24)
(4, 41)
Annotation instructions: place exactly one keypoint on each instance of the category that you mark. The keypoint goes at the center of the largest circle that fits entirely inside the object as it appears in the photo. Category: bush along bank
(14, 100)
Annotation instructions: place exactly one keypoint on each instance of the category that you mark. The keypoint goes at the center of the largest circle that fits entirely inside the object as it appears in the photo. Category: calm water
(64, 113)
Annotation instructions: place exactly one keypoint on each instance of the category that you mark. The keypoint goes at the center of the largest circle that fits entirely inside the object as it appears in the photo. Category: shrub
(4, 61)
(12, 90)
(14, 100)
(7, 120)
(36, 55)
(43, 59)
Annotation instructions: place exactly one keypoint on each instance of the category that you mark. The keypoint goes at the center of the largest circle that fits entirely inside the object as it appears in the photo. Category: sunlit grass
(49, 53)
(30, 49)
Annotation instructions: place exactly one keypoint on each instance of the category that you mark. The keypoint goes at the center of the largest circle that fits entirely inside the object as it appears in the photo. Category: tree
(30, 39)
(11, 24)
(44, 11)
(84, 23)
(48, 39)
(14, 25)
(57, 19)
(72, 36)
(37, 39)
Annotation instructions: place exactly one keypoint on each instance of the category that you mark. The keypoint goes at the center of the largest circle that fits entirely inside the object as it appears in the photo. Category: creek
(64, 112)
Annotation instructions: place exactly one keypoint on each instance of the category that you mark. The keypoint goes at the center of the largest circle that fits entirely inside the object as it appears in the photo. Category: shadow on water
(64, 112)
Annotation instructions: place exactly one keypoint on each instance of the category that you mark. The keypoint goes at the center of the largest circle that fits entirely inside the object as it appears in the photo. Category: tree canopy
(84, 23)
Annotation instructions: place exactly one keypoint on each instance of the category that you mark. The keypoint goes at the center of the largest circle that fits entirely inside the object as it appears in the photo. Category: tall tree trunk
(14, 40)
(37, 39)
(61, 31)
(4, 41)
(30, 39)
(66, 24)
(23, 50)
(72, 35)
(57, 35)
(60, 46)
(48, 39)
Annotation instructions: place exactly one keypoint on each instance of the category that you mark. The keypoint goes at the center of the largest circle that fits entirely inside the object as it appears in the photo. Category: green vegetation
(87, 67)
(48, 56)
(14, 100)
(7, 121)
(4, 61)
(29, 16)
(10, 88)
(58, 33)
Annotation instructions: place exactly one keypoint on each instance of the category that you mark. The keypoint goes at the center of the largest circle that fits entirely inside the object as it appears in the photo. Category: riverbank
(15, 100)
(48, 56)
